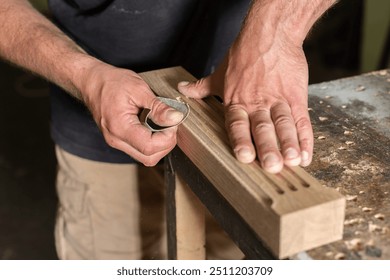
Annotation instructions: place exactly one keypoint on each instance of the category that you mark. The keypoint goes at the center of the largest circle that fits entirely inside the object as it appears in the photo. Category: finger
(238, 127)
(147, 160)
(287, 133)
(164, 115)
(199, 89)
(264, 135)
(139, 138)
(305, 133)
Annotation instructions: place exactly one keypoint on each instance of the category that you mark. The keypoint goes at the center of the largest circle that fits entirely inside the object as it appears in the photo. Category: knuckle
(234, 124)
(148, 149)
(303, 124)
(150, 161)
(283, 120)
(262, 126)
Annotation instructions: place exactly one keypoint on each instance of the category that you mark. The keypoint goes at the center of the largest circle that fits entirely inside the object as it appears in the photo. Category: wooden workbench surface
(351, 122)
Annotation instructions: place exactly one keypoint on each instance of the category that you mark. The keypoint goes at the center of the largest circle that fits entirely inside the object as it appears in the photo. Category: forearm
(279, 22)
(31, 41)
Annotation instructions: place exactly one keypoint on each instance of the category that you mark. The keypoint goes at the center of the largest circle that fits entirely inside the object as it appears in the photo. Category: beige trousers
(116, 211)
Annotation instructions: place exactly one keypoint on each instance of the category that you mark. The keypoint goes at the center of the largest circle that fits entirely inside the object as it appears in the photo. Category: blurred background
(352, 38)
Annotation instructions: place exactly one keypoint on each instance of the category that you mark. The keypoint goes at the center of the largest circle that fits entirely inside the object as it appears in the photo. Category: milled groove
(299, 178)
(274, 185)
(288, 183)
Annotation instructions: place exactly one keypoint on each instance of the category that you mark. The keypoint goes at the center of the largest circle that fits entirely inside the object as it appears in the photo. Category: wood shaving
(342, 148)
(321, 137)
(349, 143)
(322, 119)
(361, 192)
(355, 244)
(347, 132)
(310, 109)
(366, 209)
(353, 221)
(379, 216)
(351, 197)
(329, 254)
(360, 88)
(339, 256)
(374, 228)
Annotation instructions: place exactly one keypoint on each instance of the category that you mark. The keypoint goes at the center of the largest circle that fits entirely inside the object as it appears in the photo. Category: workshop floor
(27, 163)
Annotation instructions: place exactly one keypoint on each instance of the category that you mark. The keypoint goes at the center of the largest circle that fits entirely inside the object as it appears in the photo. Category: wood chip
(361, 192)
(342, 148)
(328, 96)
(351, 197)
(366, 209)
(339, 256)
(374, 228)
(347, 132)
(329, 254)
(310, 109)
(343, 106)
(321, 137)
(349, 143)
(360, 88)
(323, 119)
(355, 244)
(353, 221)
(383, 72)
(379, 216)
(321, 101)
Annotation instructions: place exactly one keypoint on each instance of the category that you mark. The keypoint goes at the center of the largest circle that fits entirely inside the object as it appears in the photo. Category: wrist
(84, 76)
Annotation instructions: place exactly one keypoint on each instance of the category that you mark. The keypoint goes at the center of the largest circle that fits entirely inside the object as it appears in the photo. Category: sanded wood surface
(290, 211)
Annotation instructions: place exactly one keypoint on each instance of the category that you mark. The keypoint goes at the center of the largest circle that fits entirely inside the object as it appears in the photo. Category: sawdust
(362, 167)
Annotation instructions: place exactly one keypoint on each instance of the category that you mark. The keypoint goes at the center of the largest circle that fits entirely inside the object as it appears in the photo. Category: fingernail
(291, 153)
(271, 160)
(305, 158)
(174, 115)
(245, 155)
(184, 83)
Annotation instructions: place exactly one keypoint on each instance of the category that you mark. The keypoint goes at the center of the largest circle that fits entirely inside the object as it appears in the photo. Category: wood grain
(289, 211)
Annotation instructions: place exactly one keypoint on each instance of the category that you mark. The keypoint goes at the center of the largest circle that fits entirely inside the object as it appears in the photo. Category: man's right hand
(116, 97)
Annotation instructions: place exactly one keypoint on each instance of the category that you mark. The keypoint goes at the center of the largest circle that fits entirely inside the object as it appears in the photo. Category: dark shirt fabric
(140, 35)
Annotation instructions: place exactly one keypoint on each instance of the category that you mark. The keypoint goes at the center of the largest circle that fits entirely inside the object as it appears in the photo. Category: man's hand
(116, 97)
(264, 82)
(266, 101)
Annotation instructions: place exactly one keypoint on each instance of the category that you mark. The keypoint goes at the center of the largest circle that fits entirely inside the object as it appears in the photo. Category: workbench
(351, 123)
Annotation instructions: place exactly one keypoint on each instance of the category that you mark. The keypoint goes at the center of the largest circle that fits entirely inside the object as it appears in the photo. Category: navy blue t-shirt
(140, 35)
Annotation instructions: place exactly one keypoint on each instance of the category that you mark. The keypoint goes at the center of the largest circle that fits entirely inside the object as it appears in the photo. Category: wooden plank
(229, 220)
(289, 211)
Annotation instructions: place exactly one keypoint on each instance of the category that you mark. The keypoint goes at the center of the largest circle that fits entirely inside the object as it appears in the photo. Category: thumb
(164, 115)
(199, 89)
